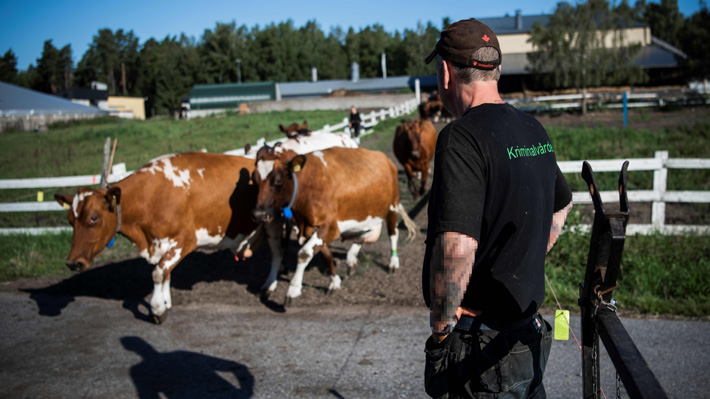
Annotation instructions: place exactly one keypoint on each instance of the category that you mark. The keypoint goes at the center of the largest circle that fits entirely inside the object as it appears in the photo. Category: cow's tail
(408, 222)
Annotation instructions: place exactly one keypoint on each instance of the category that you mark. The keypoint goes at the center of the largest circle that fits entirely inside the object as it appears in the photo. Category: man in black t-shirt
(498, 203)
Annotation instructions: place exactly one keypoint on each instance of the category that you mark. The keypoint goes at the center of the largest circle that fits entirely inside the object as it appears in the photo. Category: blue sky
(25, 25)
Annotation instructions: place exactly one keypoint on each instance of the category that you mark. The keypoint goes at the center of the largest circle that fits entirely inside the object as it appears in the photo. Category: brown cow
(168, 208)
(414, 146)
(294, 130)
(434, 109)
(336, 192)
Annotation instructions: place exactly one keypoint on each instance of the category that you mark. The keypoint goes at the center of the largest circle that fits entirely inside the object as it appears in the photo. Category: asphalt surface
(99, 348)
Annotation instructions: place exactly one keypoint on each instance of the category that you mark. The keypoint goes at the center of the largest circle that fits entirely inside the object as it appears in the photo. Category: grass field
(660, 275)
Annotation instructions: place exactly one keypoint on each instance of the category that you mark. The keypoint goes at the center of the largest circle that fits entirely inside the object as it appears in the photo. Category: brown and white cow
(414, 146)
(334, 193)
(168, 208)
(294, 129)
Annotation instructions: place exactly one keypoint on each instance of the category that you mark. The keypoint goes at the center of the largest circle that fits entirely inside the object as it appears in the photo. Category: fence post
(417, 91)
(104, 169)
(660, 181)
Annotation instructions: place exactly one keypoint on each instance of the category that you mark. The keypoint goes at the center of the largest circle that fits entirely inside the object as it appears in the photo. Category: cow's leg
(351, 259)
(276, 258)
(305, 255)
(161, 300)
(425, 175)
(394, 235)
(334, 278)
(411, 180)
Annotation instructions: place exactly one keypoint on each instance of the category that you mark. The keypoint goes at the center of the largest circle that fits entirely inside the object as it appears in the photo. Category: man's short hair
(467, 75)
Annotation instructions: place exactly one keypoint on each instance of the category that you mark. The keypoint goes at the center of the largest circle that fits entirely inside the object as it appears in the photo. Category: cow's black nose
(261, 215)
(75, 265)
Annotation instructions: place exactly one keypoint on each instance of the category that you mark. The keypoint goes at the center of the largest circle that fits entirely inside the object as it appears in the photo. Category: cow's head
(294, 130)
(93, 215)
(277, 187)
(413, 132)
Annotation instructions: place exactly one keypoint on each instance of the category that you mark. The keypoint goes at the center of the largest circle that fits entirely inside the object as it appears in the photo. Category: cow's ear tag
(113, 202)
(287, 213)
(296, 168)
(65, 205)
(110, 243)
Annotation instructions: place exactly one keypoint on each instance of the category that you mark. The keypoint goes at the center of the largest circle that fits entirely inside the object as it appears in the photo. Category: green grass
(659, 274)
(619, 143)
(77, 148)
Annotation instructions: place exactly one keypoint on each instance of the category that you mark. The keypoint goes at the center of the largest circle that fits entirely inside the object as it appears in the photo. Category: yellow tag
(65, 205)
(296, 168)
(113, 202)
(40, 196)
(562, 325)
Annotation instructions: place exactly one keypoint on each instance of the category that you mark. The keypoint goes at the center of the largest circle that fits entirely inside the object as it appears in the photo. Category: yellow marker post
(40, 196)
(562, 325)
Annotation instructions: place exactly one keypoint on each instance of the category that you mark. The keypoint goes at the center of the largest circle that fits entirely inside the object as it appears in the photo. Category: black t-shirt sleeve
(563, 195)
(461, 186)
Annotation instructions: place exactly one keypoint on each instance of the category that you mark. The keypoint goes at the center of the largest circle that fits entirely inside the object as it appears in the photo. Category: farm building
(97, 96)
(661, 61)
(25, 109)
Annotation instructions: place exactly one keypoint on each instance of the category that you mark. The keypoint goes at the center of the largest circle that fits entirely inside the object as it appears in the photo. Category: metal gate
(598, 310)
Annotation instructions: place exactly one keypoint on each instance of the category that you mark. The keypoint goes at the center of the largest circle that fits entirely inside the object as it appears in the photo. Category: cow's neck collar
(287, 210)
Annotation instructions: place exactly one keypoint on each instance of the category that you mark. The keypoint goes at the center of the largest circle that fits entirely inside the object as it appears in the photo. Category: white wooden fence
(658, 196)
(118, 171)
(607, 100)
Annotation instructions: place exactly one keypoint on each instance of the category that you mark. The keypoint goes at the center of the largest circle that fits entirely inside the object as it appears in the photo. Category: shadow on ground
(131, 280)
(184, 374)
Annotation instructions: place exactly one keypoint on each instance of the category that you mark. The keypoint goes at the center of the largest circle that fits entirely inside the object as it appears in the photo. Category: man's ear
(113, 196)
(64, 200)
(448, 74)
(297, 163)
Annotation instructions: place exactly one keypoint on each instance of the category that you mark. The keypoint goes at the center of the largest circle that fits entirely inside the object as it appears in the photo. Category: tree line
(165, 70)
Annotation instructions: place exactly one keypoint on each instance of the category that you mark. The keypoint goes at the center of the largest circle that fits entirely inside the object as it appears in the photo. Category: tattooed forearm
(452, 264)
(558, 221)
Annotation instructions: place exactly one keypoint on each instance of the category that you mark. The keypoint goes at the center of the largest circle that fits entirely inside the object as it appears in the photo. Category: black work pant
(484, 363)
(355, 130)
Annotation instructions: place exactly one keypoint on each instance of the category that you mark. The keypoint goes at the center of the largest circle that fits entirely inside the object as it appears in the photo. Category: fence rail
(607, 100)
(118, 171)
(658, 196)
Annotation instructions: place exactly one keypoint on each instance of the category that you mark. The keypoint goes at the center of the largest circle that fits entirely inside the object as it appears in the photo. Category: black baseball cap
(461, 39)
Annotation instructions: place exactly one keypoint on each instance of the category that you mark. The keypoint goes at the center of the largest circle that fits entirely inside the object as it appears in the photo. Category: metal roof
(230, 94)
(323, 87)
(18, 101)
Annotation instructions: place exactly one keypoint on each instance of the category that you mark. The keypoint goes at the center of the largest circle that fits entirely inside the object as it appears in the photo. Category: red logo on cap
(486, 38)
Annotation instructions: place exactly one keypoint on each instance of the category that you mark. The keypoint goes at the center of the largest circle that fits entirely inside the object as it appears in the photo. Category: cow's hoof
(351, 270)
(160, 319)
(288, 301)
(392, 270)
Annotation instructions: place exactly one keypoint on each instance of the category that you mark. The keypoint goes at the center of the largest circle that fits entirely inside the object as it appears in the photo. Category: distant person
(354, 124)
